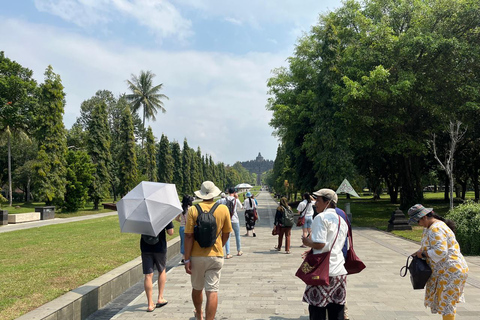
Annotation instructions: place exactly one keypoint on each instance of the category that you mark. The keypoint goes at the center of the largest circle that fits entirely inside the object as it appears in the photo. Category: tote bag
(353, 264)
(315, 268)
(420, 272)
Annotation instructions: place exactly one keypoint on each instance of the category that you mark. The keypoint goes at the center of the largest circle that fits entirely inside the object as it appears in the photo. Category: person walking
(283, 227)
(154, 253)
(327, 226)
(305, 208)
(232, 200)
(250, 218)
(444, 288)
(182, 218)
(204, 263)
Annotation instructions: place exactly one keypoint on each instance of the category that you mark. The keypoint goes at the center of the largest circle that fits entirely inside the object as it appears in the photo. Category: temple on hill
(258, 166)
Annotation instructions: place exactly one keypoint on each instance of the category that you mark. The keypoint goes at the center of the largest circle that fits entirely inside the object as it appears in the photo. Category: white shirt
(247, 206)
(309, 211)
(238, 204)
(324, 230)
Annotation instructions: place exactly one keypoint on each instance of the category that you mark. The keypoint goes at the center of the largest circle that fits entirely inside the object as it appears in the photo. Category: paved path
(261, 284)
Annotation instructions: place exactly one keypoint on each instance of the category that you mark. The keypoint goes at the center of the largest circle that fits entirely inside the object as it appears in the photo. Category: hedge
(467, 219)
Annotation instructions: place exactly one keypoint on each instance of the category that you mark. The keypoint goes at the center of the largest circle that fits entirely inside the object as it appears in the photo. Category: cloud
(217, 100)
(234, 21)
(160, 17)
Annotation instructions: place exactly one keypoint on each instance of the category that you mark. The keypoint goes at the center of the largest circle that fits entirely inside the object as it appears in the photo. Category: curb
(81, 302)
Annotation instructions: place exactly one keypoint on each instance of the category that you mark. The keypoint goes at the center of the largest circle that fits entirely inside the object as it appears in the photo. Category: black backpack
(287, 218)
(230, 205)
(205, 230)
(150, 239)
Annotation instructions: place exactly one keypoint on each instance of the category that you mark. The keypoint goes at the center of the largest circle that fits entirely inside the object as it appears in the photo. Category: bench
(23, 217)
(111, 206)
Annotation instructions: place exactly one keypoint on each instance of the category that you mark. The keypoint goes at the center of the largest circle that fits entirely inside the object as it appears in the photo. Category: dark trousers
(287, 232)
(335, 312)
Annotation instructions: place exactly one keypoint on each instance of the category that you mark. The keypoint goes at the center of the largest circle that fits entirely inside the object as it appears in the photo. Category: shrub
(467, 219)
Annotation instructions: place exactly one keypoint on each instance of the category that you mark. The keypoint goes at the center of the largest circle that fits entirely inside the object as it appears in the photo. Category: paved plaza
(261, 283)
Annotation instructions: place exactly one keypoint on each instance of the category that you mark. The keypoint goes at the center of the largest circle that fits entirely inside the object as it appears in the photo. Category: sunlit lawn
(40, 264)
(367, 212)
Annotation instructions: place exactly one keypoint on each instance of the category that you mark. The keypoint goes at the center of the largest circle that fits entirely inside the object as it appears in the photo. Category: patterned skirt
(249, 219)
(320, 296)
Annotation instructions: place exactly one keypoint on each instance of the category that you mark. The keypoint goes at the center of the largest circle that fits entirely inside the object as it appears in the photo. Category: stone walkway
(261, 284)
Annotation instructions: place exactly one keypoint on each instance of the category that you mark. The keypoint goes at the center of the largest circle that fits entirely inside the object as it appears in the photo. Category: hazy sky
(213, 57)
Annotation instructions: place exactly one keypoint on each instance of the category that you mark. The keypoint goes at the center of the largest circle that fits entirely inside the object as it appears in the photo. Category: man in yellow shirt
(204, 264)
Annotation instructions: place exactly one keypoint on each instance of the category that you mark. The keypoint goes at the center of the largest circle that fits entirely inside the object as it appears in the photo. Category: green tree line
(366, 89)
(106, 153)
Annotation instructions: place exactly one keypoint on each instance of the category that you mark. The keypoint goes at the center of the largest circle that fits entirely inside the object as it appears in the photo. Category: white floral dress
(449, 269)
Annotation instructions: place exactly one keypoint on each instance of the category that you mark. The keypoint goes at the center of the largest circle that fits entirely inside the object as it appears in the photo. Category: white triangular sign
(346, 187)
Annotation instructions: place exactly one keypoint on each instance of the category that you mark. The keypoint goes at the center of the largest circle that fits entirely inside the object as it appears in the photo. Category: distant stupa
(258, 166)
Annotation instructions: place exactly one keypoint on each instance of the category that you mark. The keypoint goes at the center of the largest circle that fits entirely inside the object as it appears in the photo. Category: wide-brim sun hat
(248, 194)
(417, 212)
(327, 193)
(208, 190)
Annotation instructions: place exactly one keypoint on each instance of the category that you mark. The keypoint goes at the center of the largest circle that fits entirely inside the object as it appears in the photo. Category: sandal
(239, 253)
(229, 256)
(287, 252)
(277, 248)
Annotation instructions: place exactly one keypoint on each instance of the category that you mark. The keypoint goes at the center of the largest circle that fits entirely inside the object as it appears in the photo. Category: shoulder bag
(315, 269)
(301, 219)
(353, 264)
(420, 272)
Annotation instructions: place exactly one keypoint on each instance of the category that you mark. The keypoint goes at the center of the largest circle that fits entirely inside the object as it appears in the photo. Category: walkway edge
(81, 302)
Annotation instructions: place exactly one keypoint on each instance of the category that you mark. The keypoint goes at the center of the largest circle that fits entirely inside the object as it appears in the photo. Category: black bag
(287, 218)
(150, 239)
(205, 230)
(231, 205)
(420, 272)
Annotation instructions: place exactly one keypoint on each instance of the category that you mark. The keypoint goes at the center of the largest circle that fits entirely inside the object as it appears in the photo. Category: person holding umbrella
(204, 253)
(154, 252)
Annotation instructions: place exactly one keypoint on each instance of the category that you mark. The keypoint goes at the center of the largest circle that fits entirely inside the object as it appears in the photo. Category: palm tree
(145, 94)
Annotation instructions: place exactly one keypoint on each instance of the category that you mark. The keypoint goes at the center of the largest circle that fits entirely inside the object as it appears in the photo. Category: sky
(213, 57)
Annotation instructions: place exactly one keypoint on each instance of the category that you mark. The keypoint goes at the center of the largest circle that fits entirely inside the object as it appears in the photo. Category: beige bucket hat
(207, 191)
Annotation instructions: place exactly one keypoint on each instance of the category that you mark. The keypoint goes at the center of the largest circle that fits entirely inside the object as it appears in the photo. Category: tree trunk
(447, 189)
(412, 192)
(96, 201)
(475, 185)
(464, 189)
(9, 171)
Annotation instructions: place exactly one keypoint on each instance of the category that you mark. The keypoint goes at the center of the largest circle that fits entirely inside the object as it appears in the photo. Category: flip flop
(239, 253)
(150, 310)
(161, 304)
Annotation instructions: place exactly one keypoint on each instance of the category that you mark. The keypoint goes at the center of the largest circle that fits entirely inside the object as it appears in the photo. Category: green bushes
(467, 219)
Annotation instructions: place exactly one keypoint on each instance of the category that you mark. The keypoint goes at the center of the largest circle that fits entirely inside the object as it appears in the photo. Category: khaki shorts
(206, 272)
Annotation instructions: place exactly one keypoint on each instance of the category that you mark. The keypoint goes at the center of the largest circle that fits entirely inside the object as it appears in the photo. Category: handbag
(301, 219)
(275, 231)
(420, 272)
(255, 214)
(353, 264)
(315, 268)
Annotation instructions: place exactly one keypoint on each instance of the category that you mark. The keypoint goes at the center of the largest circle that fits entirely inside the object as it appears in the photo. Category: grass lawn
(376, 213)
(40, 264)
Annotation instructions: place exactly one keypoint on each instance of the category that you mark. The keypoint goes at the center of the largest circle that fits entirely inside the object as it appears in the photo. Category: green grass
(367, 212)
(40, 264)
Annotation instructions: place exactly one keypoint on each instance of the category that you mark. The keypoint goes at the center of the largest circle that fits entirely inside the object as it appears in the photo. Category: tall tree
(186, 168)
(98, 147)
(51, 134)
(17, 98)
(79, 177)
(128, 173)
(177, 165)
(150, 155)
(165, 163)
(146, 95)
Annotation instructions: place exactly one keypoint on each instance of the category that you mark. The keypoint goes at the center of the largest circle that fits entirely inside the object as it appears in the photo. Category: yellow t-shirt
(224, 225)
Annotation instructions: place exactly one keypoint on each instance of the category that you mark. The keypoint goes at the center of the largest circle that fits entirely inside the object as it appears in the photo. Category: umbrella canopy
(243, 186)
(148, 208)
(346, 187)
